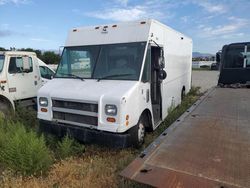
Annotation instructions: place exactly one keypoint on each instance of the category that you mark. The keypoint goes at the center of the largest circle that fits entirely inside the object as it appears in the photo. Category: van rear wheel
(137, 133)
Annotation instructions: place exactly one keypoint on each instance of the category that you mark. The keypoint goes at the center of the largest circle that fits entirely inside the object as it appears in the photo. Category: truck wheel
(137, 133)
(4, 108)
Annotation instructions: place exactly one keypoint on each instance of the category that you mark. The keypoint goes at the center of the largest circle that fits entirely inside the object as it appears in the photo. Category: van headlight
(43, 101)
(110, 110)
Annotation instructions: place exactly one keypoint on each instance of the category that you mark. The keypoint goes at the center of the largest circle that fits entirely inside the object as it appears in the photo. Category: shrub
(21, 150)
(51, 141)
(194, 91)
(68, 147)
(27, 117)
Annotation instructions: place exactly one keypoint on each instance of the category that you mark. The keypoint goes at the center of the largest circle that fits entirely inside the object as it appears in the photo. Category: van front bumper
(86, 135)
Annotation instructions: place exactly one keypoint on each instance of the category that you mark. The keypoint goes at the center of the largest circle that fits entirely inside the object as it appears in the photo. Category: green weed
(21, 150)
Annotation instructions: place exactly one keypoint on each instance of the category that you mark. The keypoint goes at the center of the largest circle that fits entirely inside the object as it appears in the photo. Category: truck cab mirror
(162, 74)
(26, 64)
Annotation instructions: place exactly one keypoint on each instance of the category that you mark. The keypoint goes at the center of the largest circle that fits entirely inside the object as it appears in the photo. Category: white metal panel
(178, 62)
(102, 92)
(122, 33)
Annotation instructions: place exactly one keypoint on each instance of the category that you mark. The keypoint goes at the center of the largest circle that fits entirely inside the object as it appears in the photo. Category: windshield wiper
(113, 76)
(72, 75)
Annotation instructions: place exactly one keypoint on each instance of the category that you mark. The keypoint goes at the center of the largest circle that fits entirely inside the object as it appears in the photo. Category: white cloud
(131, 13)
(233, 35)
(121, 14)
(231, 28)
(16, 2)
(211, 7)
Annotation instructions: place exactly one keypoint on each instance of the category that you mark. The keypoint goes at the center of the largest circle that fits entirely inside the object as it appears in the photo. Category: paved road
(204, 79)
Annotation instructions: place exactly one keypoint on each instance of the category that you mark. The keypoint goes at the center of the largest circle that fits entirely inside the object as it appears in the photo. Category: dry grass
(98, 167)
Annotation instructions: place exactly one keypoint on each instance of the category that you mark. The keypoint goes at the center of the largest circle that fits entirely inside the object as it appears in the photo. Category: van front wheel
(137, 133)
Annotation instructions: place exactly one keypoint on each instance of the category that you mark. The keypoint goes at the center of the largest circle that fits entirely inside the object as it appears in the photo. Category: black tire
(4, 108)
(137, 133)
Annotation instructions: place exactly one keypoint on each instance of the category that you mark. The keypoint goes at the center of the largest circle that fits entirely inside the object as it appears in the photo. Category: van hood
(87, 90)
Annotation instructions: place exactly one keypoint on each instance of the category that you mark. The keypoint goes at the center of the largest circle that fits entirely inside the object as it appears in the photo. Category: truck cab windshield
(1, 62)
(109, 61)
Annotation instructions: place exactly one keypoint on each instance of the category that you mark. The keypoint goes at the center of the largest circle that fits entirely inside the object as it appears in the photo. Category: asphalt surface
(204, 79)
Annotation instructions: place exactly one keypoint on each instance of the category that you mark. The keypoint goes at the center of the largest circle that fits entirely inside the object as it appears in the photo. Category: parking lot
(204, 79)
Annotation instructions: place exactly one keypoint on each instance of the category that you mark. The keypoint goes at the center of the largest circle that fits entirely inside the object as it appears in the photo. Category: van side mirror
(217, 57)
(161, 62)
(162, 74)
(26, 64)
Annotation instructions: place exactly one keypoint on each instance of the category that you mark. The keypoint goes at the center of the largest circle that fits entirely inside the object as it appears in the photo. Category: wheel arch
(183, 92)
(8, 101)
(183, 88)
(149, 120)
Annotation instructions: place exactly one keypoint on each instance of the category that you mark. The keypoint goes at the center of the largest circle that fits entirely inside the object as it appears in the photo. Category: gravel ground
(204, 79)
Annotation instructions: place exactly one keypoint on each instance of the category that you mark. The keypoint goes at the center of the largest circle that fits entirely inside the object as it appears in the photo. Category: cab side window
(46, 72)
(16, 65)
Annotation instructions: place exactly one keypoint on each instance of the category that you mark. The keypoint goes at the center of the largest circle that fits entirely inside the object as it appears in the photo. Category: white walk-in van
(115, 82)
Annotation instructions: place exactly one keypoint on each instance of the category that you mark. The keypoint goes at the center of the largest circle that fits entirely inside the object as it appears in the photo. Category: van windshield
(1, 62)
(109, 61)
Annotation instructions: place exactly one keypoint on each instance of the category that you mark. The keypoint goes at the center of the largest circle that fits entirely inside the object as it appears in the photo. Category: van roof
(124, 32)
(239, 43)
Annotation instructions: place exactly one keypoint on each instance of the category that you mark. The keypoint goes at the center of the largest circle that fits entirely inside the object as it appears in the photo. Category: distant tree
(50, 57)
(38, 52)
(2, 49)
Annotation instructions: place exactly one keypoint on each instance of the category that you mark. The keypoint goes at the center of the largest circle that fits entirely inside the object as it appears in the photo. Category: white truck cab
(20, 79)
(116, 81)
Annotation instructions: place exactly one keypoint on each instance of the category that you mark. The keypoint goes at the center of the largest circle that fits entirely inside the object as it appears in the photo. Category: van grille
(75, 105)
(75, 113)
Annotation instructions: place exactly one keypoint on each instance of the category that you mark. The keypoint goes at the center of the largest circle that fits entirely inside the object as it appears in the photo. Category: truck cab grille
(75, 113)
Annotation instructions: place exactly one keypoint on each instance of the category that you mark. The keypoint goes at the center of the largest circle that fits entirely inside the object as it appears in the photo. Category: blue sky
(44, 24)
